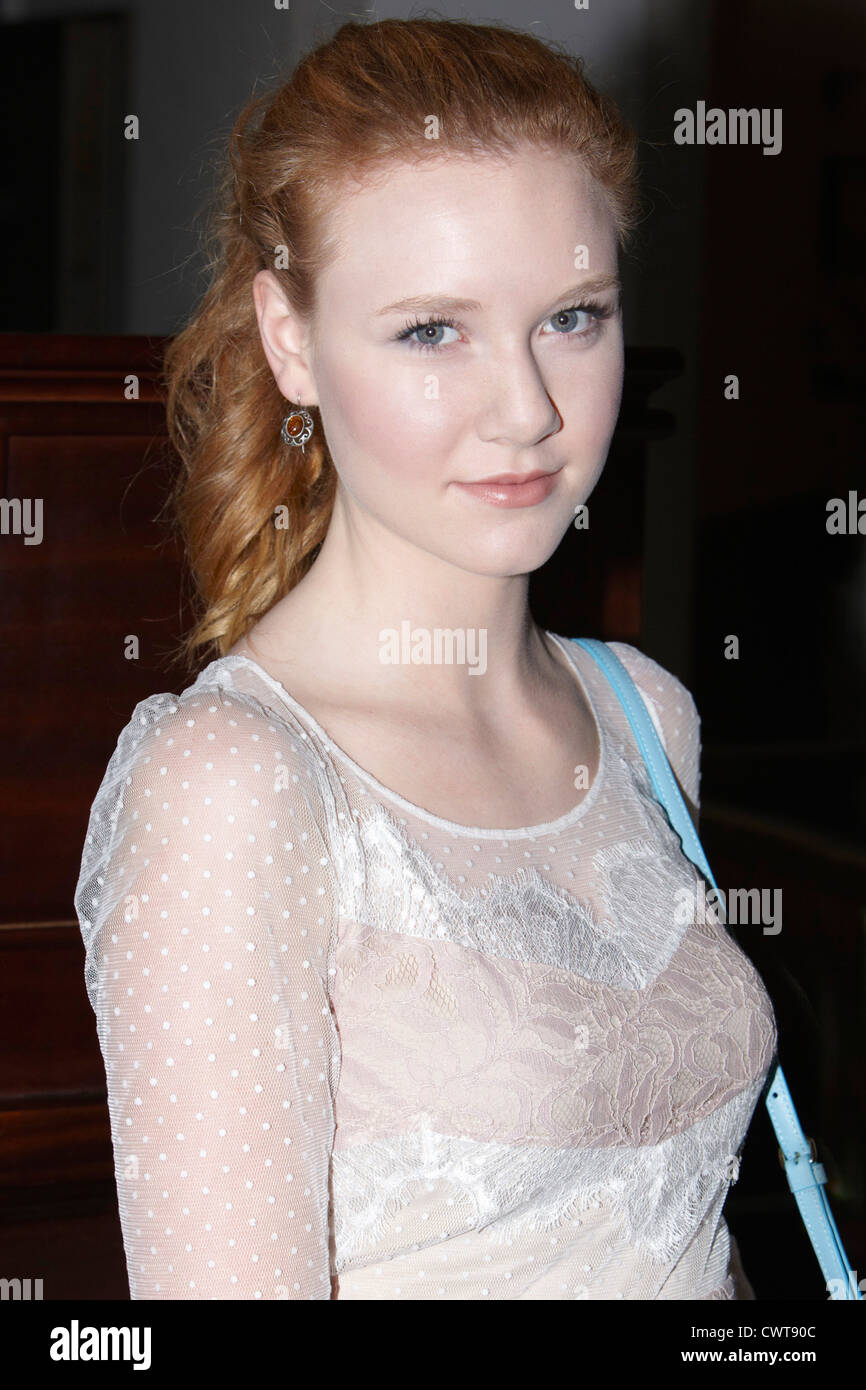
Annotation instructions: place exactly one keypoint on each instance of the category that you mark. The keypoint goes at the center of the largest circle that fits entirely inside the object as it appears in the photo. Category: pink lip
(513, 489)
(513, 478)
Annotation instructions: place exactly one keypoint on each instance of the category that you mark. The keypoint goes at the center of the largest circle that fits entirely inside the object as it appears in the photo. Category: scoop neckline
(453, 827)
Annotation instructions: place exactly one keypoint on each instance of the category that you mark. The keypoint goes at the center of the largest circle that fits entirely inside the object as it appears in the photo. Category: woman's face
(523, 380)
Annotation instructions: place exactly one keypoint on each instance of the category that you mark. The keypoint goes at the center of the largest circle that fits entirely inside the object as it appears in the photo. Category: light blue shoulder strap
(806, 1177)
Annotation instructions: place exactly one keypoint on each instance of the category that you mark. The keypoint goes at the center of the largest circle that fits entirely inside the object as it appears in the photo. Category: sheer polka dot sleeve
(675, 716)
(207, 906)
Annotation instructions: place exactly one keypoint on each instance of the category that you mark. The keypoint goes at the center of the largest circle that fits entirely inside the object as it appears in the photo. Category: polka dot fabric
(206, 903)
(354, 1050)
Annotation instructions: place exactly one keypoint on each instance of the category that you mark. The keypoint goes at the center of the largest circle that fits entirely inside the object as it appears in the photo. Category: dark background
(748, 264)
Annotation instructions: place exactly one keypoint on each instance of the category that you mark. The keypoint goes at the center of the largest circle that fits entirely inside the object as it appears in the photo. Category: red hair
(354, 104)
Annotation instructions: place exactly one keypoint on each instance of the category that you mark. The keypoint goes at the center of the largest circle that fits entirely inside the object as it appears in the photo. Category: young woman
(382, 920)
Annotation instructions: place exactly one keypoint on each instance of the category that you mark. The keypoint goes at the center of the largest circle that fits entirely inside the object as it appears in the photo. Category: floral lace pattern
(657, 1194)
(524, 916)
(355, 1050)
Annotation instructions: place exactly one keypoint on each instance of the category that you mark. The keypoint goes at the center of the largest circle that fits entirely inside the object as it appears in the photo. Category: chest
(528, 774)
(515, 1009)
(526, 1052)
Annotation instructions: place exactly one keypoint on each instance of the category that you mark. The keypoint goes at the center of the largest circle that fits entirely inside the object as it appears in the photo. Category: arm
(675, 716)
(207, 904)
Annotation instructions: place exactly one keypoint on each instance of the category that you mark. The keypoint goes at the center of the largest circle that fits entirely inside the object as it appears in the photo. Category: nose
(517, 408)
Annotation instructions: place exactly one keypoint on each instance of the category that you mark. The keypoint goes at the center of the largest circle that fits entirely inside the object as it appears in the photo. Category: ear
(285, 339)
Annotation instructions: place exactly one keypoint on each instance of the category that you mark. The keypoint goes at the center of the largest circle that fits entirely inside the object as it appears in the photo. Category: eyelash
(598, 311)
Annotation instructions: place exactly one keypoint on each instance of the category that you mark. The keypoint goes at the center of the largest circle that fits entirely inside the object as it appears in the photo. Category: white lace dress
(354, 1050)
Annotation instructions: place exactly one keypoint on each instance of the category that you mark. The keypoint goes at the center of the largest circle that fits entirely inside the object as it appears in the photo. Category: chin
(502, 555)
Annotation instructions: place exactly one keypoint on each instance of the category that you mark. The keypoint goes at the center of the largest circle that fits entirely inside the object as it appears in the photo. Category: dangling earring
(298, 427)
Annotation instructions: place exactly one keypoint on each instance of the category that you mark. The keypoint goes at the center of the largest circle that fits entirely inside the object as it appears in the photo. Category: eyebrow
(419, 303)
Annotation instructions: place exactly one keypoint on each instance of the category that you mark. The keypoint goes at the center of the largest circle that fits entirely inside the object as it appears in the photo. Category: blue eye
(431, 327)
(427, 327)
(564, 313)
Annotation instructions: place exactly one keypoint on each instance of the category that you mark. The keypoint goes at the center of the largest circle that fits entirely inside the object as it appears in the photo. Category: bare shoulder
(299, 671)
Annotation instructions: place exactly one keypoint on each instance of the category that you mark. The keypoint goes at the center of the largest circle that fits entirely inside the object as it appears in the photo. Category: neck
(384, 620)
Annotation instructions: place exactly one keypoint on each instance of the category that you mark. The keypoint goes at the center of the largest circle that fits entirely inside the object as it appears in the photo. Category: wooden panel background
(105, 568)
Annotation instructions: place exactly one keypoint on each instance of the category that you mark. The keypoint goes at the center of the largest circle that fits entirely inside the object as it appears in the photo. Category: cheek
(398, 422)
(401, 418)
(589, 402)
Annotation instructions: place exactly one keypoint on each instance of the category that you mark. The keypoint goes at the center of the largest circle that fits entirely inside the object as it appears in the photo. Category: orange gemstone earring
(297, 428)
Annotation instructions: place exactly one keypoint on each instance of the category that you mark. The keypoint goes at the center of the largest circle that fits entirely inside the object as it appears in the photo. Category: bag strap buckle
(813, 1154)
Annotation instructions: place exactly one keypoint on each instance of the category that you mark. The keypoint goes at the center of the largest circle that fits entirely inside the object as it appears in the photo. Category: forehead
(454, 224)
